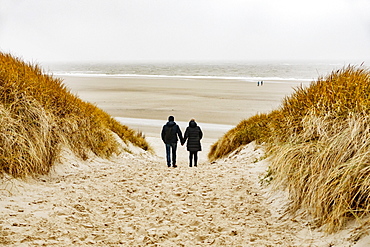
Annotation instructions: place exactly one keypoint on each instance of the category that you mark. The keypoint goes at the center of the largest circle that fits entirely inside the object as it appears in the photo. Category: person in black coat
(171, 133)
(193, 134)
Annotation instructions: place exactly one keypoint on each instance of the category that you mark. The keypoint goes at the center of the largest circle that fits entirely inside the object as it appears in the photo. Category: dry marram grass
(38, 116)
(319, 145)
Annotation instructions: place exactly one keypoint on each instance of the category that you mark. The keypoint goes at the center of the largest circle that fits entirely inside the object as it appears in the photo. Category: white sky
(185, 30)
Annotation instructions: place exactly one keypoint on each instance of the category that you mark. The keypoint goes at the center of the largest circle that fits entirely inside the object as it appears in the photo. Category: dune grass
(254, 128)
(39, 116)
(318, 142)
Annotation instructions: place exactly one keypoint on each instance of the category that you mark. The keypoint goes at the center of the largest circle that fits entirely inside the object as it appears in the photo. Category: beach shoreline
(208, 100)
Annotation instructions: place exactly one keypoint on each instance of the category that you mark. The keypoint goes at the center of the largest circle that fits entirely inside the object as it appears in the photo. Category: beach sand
(133, 199)
(218, 101)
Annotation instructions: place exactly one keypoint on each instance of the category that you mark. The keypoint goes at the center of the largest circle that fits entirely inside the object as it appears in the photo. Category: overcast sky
(185, 30)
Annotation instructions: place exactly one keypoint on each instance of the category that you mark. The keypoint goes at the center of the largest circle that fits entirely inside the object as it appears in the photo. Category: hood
(192, 124)
(171, 124)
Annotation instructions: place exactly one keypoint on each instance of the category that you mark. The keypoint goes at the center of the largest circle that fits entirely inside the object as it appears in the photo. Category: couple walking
(171, 133)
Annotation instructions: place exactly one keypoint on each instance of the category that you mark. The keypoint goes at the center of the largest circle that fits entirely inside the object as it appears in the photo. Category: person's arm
(185, 137)
(163, 133)
(179, 133)
(200, 133)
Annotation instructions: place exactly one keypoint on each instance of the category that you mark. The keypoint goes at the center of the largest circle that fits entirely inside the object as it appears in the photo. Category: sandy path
(135, 200)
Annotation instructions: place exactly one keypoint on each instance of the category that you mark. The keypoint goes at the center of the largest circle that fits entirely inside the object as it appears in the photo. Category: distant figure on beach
(193, 134)
(171, 133)
(258, 83)
(261, 83)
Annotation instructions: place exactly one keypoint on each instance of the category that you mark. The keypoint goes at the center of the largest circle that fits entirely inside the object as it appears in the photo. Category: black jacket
(170, 132)
(193, 134)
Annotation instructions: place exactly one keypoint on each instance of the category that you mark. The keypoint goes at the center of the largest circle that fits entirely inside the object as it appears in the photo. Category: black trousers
(193, 155)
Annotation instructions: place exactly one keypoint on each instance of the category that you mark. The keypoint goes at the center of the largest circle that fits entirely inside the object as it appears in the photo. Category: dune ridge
(318, 144)
(39, 116)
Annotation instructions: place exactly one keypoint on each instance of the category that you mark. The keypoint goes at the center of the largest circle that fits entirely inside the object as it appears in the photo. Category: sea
(248, 71)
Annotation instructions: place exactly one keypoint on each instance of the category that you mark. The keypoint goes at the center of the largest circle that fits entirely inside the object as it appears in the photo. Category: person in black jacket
(193, 134)
(170, 134)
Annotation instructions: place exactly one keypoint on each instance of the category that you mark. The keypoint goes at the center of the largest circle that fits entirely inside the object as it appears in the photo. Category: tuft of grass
(319, 146)
(39, 115)
(326, 169)
(255, 128)
(340, 94)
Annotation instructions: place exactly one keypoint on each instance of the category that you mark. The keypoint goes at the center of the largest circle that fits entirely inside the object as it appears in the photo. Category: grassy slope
(319, 144)
(38, 115)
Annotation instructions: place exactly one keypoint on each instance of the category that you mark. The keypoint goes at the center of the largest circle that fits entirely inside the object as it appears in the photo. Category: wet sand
(218, 101)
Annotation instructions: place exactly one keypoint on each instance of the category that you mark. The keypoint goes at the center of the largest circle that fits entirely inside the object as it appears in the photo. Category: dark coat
(175, 133)
(193, 134)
